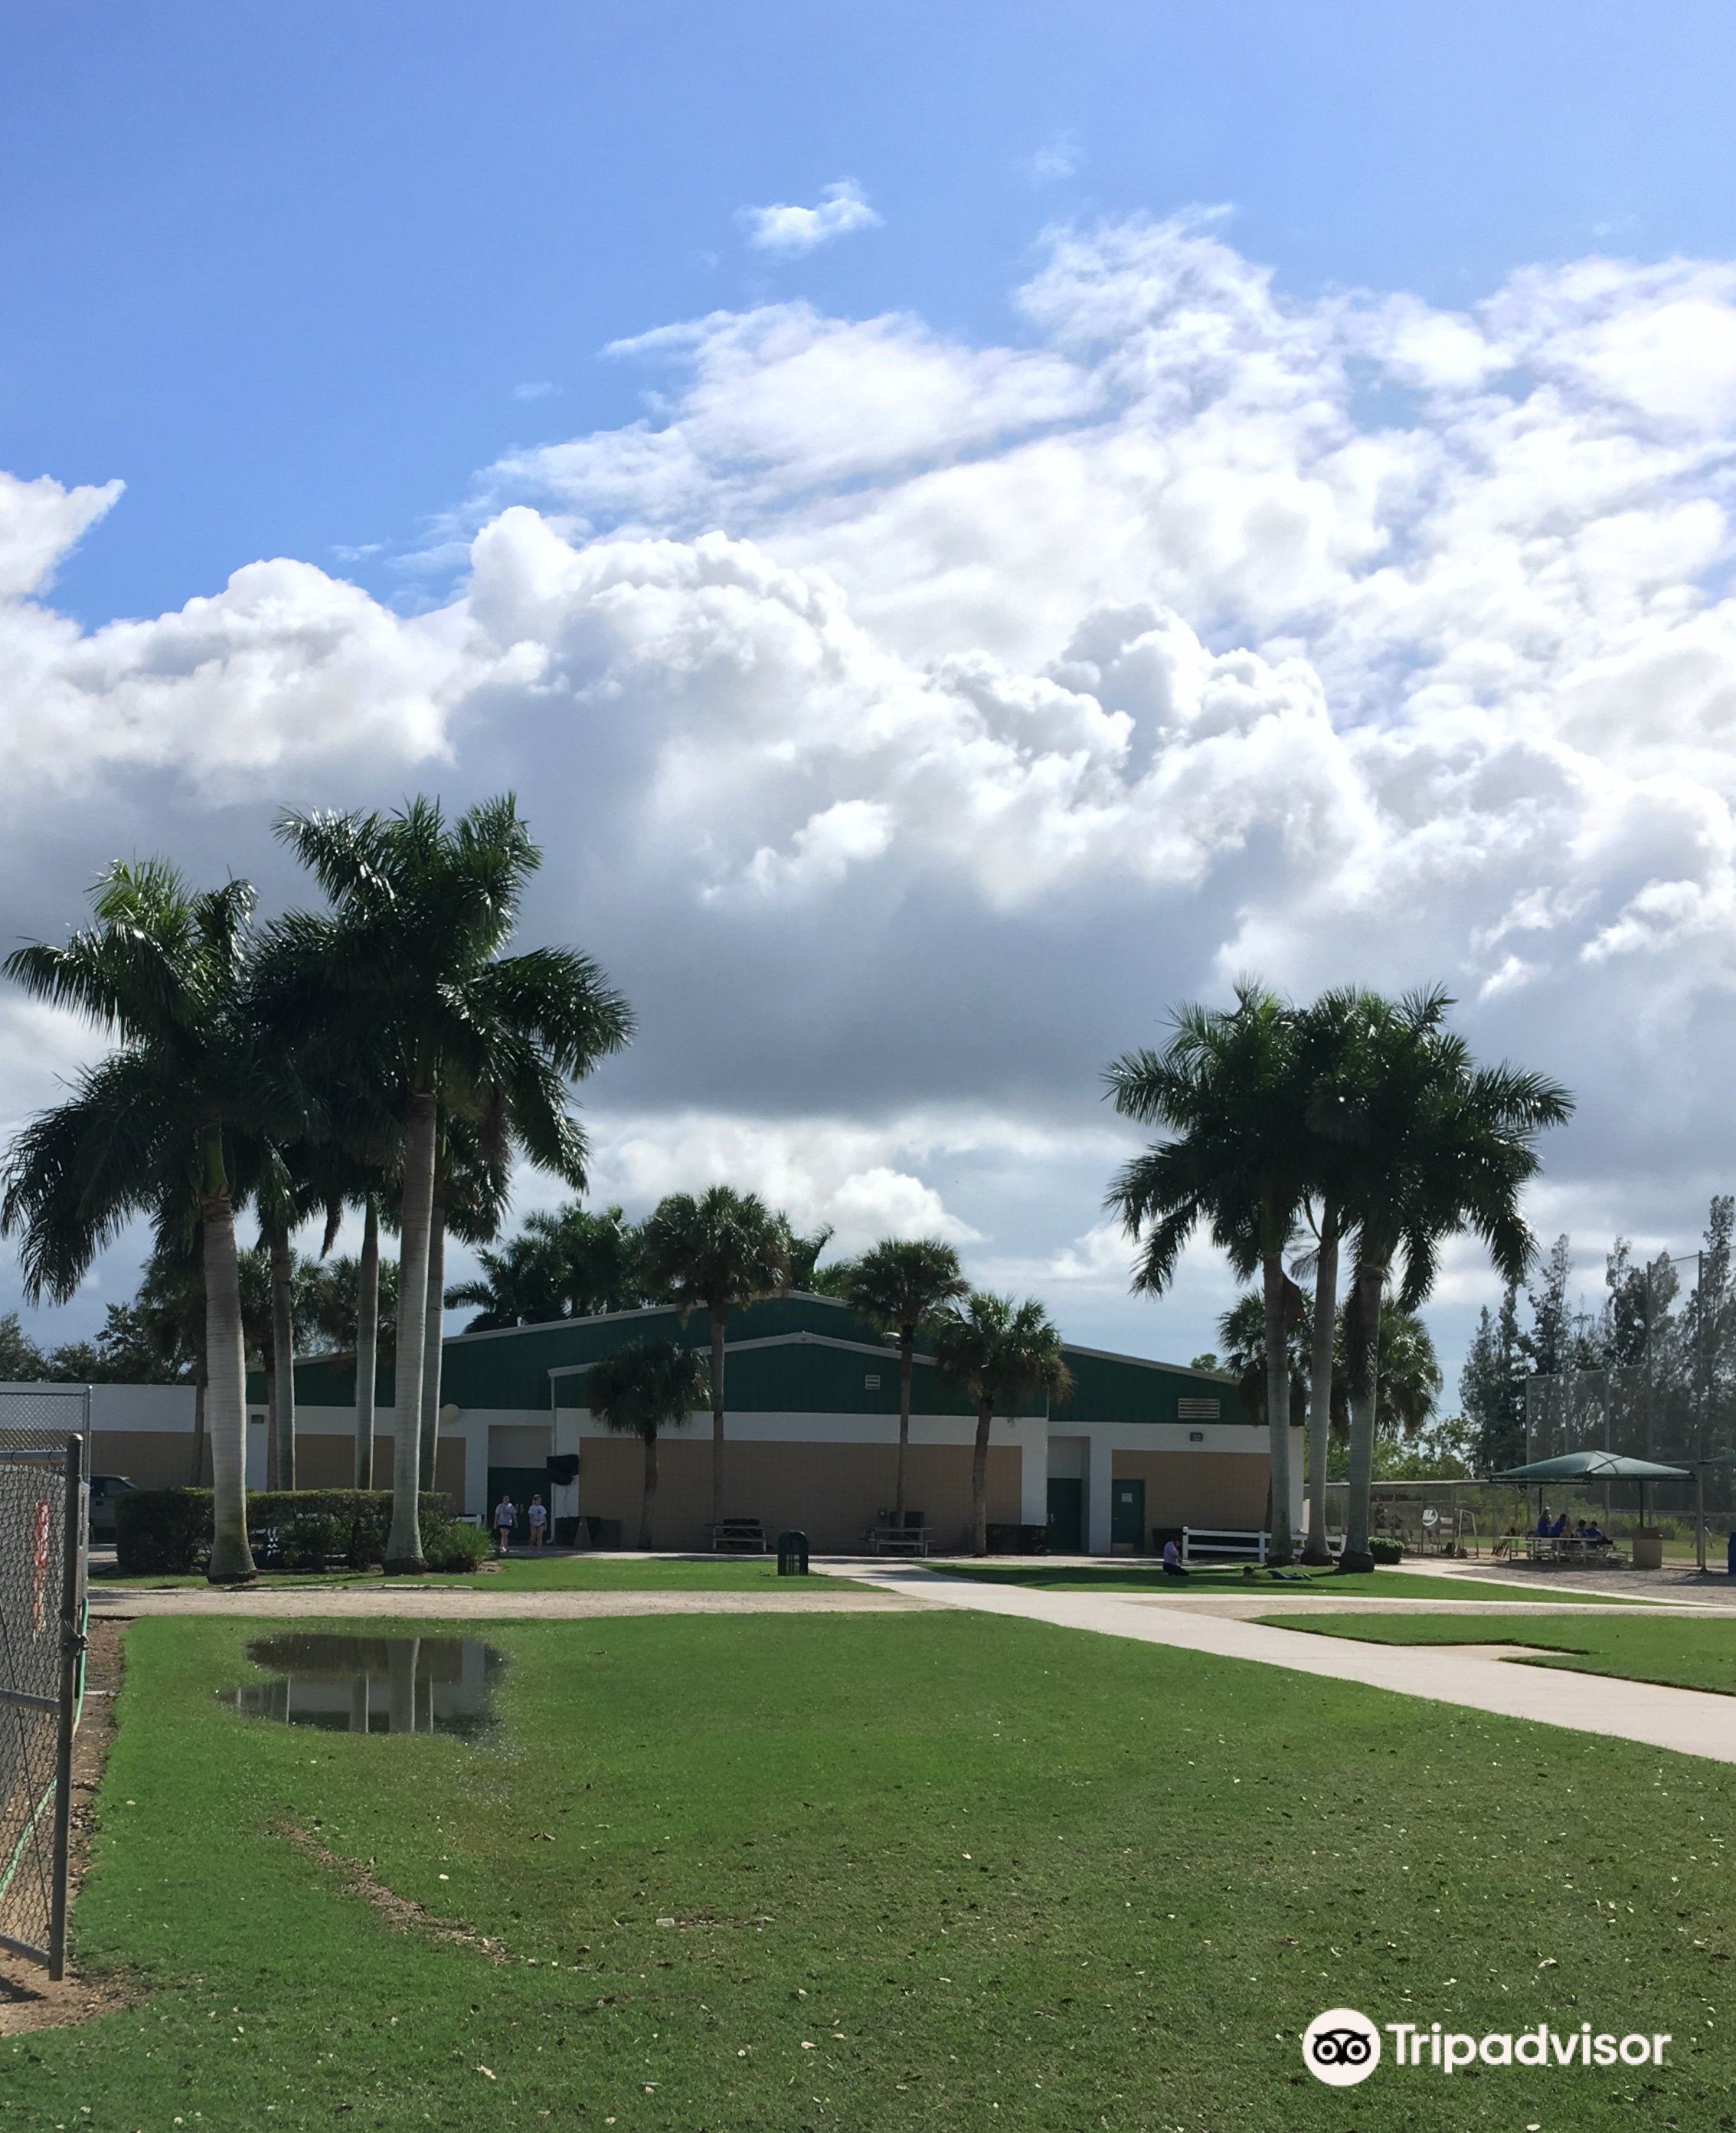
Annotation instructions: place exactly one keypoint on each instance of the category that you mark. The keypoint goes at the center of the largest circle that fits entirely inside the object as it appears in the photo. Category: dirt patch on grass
(401, 1913)
(28, 1998)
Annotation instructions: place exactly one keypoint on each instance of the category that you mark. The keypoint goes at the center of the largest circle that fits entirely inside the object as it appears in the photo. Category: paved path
(447, 1603)
(1689, 1720)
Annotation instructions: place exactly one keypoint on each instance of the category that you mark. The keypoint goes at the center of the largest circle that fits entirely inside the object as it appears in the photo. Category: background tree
(1435, 1145)
(1230, 1087)
(897, 1286)
(411, 962)
(642, 1388)
(152, 1128)
(1000, 1353)
(1492, 1386)
(722, 1251)
(570, 1262)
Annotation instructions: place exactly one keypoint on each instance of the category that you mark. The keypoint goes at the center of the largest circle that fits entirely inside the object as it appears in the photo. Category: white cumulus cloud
(791, 231)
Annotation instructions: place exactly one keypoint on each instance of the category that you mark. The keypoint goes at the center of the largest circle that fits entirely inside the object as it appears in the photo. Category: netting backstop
(43, 1434)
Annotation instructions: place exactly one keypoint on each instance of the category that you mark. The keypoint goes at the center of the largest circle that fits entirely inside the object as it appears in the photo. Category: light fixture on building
(871, 1383)
(1196, 1437)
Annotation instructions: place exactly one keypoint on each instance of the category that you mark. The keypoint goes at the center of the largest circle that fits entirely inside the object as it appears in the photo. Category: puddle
(356, 1684)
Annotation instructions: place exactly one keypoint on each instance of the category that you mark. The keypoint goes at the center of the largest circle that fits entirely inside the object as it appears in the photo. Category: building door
(1066, 1517)
(1127, 1517)
(521, 1484)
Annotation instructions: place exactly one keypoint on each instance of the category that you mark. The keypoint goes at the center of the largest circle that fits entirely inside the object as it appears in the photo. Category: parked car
(105, 1490)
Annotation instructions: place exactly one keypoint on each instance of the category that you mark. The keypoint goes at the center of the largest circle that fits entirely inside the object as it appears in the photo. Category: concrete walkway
(1688, 1720)
(467, 1603)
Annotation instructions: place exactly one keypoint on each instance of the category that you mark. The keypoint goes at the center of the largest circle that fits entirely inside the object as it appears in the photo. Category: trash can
(792, 1554)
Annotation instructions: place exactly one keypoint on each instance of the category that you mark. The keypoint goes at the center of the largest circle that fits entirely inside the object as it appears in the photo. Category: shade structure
(1594, 1467)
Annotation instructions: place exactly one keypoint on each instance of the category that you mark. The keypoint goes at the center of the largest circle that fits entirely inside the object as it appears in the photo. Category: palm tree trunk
(648, 1495)
(404, 1543)
(200, 1378)
(1365, 1380)
(367, 1341)
(283, 1354)
(1277, 1403)
(1319, 1394)
(232, 1560)
(718, 1317)
(906, 1364)
(980, 1480)
(434, 1328)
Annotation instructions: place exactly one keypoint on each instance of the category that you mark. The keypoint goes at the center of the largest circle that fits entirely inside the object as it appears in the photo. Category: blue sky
(1102, 499)
(281, 269)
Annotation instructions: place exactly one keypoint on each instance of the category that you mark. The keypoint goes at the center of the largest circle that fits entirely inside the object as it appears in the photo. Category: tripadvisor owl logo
(1341, 2047)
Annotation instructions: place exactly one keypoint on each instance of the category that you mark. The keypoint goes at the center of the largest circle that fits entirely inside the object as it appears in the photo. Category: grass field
(523, 1573)
(1376, 1585)
(1683, 1651)
(935, 1871)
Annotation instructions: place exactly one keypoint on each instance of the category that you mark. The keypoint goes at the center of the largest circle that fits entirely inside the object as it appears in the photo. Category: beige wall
(831, 1492)
(1198, 1488)
(163, 1459)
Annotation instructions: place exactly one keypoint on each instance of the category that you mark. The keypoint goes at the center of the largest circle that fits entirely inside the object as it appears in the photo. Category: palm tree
(154, 1128)
(1231, 1088)
(567, 1263)
(410, 964)
(1432, 1145)
(999, 1353)
(644, 1387)
(723, 1250)
(897, 1286)
(471, 1190)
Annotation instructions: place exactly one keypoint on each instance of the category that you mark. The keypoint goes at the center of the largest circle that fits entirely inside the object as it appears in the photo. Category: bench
(893, 1535)
(738, 1537)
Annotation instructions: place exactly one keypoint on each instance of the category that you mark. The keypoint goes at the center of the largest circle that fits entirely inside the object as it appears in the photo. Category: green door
(1126, 1515)
(1066, 1517)
(521, 1484)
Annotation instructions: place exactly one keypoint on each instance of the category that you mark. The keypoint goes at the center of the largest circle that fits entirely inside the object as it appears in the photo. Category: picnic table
(738, 1537)
(892, 1535)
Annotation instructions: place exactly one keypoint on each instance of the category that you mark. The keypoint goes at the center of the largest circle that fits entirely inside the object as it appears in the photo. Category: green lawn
(523, 1573)
(991, 1872)
(1129, 1577)
(1685, 1651)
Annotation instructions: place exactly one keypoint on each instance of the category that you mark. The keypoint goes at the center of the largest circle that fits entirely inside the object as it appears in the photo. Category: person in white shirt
(506, 1517)
(538, 1517)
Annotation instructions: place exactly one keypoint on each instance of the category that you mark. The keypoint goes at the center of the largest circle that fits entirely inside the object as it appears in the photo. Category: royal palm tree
(897, 1287)
(411, 962)
(642, 1388)
(154, 1128)
(1230, 1086)
(470, 1189)
(1435, 1145)
(999, 1353)
(724, 1250)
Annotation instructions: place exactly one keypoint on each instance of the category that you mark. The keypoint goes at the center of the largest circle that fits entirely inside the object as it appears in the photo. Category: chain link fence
(44, 1431)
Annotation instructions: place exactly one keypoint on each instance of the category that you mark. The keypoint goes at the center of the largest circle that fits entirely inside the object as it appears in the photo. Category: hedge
(167, 1532)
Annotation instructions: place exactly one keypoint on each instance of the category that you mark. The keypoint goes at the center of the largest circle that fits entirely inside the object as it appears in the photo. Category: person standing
(537, 1518)
(506, 1517)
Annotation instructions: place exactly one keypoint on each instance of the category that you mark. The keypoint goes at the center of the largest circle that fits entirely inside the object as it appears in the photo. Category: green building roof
(796, 1353)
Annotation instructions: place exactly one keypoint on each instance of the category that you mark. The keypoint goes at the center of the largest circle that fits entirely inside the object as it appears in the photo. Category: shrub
(452, 1547)
(164, 1532)
(1385, 1551)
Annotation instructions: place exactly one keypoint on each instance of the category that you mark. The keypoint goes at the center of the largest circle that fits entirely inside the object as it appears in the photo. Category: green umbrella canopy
(1594, 1465)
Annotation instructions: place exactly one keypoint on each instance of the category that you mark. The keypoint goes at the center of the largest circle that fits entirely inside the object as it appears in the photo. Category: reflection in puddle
(373, 1684)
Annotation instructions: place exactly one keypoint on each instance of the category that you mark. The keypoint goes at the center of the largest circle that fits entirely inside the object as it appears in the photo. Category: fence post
(72, 1660)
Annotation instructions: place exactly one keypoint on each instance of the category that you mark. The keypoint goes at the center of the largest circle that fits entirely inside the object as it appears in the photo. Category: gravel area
(447, 1603)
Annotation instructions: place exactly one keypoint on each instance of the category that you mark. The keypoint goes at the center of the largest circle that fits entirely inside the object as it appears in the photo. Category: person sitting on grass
(506, 1517)
(1172, 1564)
(537, 1517)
